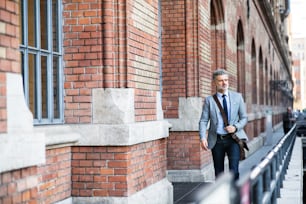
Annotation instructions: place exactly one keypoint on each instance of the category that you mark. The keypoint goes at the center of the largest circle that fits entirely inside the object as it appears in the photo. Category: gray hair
(219, 72)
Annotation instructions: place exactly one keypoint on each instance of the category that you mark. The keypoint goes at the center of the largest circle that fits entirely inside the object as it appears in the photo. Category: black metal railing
(266, 178)
(262, 184)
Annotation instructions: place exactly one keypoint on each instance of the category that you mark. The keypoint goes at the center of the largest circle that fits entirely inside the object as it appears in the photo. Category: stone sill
(103, 135)
(58, 135)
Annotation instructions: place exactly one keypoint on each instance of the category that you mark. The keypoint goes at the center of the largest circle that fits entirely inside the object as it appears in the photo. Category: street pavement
(246, 165)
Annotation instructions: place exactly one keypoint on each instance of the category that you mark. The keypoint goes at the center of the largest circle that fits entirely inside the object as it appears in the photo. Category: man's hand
(204, 144)
(230, 129)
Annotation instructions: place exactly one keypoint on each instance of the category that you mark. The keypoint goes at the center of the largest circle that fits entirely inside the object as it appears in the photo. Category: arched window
(240, 59)
(217, 35)
(261, 78)
(266, 86)
(254, 77)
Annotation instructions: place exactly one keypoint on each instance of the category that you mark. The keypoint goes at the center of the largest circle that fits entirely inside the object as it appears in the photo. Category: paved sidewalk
(246, 165)
(292, 190)
(186, 192)
(293, 184)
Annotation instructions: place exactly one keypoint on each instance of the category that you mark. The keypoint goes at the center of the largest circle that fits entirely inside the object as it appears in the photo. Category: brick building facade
(100, 99)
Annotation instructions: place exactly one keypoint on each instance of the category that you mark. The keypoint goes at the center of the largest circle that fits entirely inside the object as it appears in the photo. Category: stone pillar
(128, 157)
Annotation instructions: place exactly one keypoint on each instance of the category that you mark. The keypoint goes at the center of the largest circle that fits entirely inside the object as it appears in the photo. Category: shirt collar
(221, 94)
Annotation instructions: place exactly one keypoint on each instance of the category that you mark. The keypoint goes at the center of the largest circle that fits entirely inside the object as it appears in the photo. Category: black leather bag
(242, 145)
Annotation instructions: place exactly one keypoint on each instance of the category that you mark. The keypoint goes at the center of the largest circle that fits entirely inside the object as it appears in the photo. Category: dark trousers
(286, 130)
(231, 148)
(287, 126)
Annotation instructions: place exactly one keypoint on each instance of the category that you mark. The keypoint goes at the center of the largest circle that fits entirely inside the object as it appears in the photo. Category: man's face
(289, 110)
(221, 83)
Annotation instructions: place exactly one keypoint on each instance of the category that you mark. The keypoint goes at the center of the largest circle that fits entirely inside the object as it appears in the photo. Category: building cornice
(265, 10)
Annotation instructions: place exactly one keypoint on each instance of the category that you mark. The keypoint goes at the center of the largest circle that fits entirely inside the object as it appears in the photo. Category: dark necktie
(225, 106)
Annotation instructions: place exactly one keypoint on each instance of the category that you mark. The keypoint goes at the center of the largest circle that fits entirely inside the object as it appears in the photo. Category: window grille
(41, 59)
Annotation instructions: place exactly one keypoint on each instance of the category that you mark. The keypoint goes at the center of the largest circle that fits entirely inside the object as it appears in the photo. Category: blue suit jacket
(209, 119)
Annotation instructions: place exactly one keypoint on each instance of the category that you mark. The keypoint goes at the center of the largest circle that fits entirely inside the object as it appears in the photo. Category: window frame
(50, 54)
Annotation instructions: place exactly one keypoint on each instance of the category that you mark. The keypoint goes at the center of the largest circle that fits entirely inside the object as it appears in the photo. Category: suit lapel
(232, 105)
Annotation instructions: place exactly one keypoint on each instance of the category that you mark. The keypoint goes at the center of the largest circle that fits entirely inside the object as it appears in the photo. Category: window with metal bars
(41, 59)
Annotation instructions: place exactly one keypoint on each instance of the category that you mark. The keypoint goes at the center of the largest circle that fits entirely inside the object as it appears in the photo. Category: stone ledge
(58, 135)
(121, 134)
(103, 135)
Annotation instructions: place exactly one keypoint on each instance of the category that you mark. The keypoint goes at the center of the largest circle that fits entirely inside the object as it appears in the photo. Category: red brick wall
(117, 171)
(47, 183)
(9, 36)
(174, 51)
(249, 128)
(142, 51)
(9, 44)
(91, 171)
(110, 44)
(217, 36)
(148, 164)
(55, 176)
(19, 186)
(145, 105)
(82, 57)
(183, 151)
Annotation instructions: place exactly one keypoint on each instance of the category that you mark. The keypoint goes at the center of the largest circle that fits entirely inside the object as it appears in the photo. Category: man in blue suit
(214, 133)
